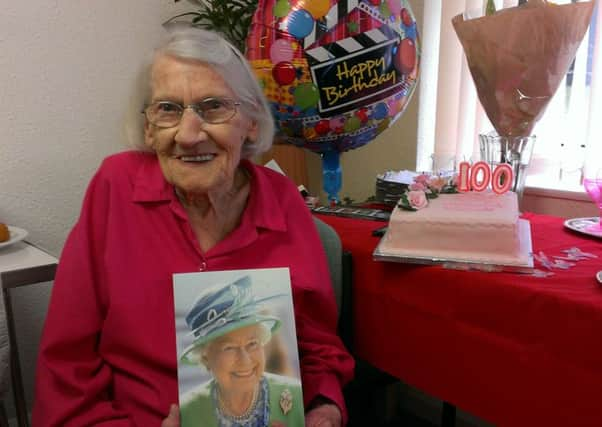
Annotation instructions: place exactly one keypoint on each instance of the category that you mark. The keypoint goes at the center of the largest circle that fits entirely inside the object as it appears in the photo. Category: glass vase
(513, 150)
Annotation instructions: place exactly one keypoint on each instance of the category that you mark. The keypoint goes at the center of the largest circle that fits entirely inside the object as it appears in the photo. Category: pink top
(108, 352)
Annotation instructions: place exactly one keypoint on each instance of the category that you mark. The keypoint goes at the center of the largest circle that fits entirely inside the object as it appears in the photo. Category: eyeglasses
(167, 114)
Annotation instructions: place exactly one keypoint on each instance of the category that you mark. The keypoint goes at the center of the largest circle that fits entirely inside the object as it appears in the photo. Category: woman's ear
(148, 134)
(252, 132)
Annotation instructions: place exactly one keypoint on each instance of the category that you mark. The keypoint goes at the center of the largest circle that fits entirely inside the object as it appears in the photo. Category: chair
(339, 265)
(367, 389)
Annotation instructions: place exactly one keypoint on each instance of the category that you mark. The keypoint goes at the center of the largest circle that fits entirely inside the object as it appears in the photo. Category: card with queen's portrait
(238, 363)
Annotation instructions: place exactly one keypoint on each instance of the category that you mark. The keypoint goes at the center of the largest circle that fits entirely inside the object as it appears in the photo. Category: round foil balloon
(336, 73)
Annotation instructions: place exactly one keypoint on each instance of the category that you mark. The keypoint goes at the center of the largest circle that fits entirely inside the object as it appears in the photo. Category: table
(511, 349)
(21, 264)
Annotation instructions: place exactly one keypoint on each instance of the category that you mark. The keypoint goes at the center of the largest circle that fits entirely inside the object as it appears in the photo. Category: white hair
(187, 42)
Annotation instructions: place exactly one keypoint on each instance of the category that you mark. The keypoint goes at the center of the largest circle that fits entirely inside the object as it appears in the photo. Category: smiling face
(237, 359)
(195, 156)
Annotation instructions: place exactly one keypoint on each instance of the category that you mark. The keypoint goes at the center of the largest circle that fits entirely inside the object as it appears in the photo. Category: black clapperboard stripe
(329, 21)
(341, 48)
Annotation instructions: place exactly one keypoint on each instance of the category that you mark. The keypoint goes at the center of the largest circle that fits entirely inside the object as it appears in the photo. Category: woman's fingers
(173, 418)
(325, 415)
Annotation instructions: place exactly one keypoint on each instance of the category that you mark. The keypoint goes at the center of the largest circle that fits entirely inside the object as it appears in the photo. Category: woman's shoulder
(127, 159)
(271, 177)
(125, 168)
(274, 189)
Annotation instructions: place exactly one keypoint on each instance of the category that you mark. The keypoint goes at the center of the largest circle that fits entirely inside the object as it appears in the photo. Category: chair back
(340, 266)
(334, 253)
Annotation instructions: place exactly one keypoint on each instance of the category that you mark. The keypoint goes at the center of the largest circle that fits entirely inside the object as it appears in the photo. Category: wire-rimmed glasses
(167, 114)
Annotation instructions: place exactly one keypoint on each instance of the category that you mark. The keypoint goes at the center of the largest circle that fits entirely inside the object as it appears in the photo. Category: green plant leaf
(231, 18)
(404, 203)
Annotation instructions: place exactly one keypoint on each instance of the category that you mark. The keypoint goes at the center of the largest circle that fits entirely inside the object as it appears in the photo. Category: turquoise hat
(220, 310)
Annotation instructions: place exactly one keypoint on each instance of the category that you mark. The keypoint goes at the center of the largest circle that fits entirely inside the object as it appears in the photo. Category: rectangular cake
(472, 226)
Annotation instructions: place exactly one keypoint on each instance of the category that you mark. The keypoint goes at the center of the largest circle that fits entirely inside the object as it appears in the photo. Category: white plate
(16, 235)
(579, 225)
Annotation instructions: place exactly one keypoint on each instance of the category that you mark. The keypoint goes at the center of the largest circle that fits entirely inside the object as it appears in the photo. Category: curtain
(450, 116)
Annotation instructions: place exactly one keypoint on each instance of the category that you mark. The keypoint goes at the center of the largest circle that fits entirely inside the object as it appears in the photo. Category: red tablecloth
(509, 348)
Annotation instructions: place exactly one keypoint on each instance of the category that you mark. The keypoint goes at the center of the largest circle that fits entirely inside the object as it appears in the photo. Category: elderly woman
(190, 201)
(230, 331)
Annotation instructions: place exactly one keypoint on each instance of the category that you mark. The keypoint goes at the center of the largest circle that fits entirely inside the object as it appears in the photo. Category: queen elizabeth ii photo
(227, 328)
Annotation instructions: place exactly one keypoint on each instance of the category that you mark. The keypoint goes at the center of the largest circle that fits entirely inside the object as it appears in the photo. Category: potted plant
(230, 18)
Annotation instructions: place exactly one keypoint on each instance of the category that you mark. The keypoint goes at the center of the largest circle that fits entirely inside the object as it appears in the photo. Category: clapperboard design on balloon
(352, 70)
(331, 19)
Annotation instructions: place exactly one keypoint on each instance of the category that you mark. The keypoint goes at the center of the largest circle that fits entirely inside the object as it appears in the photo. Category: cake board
(526, 250)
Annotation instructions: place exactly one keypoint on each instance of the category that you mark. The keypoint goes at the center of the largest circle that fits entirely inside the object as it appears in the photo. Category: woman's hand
(173, 418)
(324, 415)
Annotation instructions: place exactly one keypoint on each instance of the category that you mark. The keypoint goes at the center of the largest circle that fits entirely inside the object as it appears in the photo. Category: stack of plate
(388, 192)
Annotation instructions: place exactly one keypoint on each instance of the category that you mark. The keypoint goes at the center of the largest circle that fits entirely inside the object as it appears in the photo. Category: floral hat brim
(271, 322)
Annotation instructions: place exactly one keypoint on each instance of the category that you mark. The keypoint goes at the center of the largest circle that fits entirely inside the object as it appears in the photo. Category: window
(567, 131)
(568, 135)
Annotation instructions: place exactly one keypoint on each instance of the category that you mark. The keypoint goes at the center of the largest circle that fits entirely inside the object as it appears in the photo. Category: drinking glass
(592, 181)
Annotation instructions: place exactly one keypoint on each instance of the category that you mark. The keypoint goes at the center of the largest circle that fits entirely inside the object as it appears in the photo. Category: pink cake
(473, 226)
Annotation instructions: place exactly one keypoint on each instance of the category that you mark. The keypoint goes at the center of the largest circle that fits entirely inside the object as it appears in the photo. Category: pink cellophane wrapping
(519, 56)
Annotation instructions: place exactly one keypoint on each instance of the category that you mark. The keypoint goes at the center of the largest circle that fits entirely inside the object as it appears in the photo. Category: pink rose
(437, 183)
(417, 186)
(417, 199)
(422, 179)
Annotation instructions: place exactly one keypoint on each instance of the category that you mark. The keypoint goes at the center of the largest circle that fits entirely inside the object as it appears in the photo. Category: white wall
(65, 73)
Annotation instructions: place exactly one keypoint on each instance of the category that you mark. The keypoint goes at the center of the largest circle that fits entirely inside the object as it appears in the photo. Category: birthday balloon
(336, 73)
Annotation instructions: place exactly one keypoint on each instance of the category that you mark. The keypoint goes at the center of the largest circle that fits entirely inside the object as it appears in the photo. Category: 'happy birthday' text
(365, 75)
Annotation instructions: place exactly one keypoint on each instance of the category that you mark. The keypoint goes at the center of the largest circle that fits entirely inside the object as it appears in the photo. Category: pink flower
(417, 199)
(422, 179)
(437, 183)
(418, 186)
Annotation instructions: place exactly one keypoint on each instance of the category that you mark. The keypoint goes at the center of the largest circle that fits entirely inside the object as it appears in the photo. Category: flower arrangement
(516, 83)
(424, 188)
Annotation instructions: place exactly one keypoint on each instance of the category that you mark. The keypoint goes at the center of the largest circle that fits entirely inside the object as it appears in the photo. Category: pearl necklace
(241, 419)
